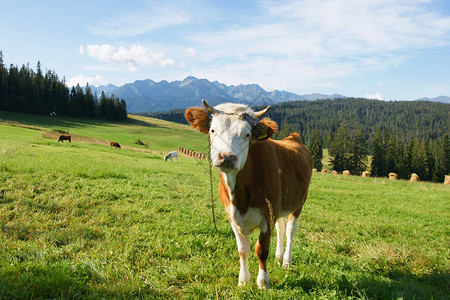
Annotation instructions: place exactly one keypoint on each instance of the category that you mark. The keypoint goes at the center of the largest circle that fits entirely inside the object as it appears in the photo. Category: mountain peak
(150, 96)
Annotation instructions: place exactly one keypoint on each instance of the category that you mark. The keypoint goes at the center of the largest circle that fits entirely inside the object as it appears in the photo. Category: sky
(381, 49)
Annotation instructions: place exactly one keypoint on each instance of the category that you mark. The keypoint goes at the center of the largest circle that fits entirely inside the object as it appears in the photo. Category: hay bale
(393, 176)
(346, 173)
(447, 179)
(324, 171)
(335, 173)
(365, 174)
(414, 177)
(314, 170)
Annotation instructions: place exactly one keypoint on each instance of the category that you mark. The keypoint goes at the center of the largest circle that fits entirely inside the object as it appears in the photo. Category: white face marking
(229, 135)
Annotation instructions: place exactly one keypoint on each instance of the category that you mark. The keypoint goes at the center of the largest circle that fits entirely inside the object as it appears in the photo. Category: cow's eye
(212, 130)
(247, 135)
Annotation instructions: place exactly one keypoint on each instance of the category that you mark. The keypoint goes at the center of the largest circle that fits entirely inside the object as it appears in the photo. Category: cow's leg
(262, 252)
(290, 231)
(281, 231)
(244, 250)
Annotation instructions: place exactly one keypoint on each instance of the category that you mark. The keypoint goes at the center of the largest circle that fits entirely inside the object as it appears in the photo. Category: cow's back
(295, 169)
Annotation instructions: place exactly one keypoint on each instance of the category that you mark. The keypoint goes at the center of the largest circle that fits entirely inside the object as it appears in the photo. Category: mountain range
(150, 96)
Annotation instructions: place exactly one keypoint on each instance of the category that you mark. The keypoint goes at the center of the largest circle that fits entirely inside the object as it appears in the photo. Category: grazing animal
(114, 144)
(172, 155)
(64, 137)
(262, 181)
(393, 176)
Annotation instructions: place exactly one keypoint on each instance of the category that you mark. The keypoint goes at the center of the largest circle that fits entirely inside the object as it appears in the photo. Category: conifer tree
(316, 148)
(3, 83)
(339, 149)
(358, 155)
(378, 162)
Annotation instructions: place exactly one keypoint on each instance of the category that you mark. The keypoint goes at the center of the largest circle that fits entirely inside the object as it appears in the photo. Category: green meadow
(82, 220)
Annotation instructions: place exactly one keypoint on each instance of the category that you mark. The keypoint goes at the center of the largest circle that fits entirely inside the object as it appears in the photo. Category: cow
(114, 144)
(261, 182)
(172, 155)
(64, 137)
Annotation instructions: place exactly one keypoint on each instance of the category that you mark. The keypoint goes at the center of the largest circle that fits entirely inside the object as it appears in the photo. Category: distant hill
(410, 119)
(150, 96)
(442, 99)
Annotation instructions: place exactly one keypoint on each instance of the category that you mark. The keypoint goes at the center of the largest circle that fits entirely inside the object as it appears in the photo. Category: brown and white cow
(114, 144)
(261, 180)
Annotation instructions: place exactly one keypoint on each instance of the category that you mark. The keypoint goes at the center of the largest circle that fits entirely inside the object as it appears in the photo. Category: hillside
(412, 119)
(157, 136)
(83, 220)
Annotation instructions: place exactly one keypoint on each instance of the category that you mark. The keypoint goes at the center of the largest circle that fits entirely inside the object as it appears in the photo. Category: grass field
(83, 220)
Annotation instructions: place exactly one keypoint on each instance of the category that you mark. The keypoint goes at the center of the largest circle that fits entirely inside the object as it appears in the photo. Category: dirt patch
(15, 124)
(54, 135)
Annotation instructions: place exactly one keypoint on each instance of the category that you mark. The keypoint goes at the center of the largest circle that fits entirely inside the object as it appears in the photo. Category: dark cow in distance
(114, 144)
(262, 181)
(64, 137)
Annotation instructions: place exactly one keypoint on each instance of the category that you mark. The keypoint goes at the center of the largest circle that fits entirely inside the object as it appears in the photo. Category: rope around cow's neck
(211, 182)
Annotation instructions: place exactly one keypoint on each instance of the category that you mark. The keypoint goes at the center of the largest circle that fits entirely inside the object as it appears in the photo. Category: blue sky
(385, 49)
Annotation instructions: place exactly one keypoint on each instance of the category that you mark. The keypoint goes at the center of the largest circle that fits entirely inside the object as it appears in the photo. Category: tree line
(430, 160)
(423, 120)
(28, 91)
(403, 137)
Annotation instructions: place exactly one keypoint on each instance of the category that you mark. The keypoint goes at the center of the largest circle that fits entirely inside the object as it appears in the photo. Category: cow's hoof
(243, 283)
(286, 265)
(263, 280)
(263, 285)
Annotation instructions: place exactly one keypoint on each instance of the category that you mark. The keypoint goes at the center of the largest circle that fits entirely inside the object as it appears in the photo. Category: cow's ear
(264, 129)
(198, 119)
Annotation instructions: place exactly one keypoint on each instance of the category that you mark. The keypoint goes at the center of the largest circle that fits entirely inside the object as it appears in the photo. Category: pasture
(83, 220)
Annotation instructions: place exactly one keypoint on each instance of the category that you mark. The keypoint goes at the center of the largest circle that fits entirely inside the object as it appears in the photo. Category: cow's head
(232, 128)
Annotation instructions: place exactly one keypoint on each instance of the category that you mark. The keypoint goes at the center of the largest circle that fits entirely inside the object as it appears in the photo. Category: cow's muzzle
(226, 161)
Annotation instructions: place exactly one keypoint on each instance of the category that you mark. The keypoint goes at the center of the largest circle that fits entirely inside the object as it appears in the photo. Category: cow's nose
(226, 160)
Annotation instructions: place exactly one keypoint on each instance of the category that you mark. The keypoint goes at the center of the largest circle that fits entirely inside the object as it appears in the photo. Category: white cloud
(82, 80)
(300, 41)
(191, 52)
(132, 57)
(81, 50)
(160, 15)
(377, 96)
